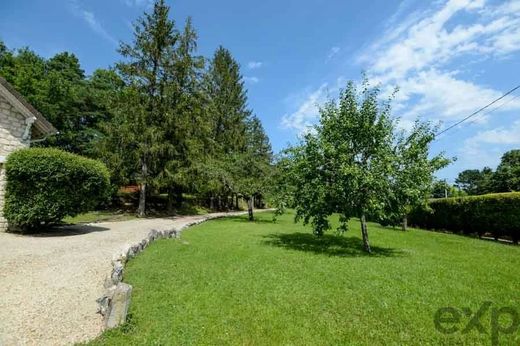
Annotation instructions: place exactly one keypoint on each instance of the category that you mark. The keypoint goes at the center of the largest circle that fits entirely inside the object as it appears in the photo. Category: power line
(497, 107)
(478, 111)
(490, 111)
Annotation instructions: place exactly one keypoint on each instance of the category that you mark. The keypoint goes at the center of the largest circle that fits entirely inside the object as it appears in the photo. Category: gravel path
(49, 283)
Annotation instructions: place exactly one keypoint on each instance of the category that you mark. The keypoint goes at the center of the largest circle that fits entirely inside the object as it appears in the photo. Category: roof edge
(43, 125)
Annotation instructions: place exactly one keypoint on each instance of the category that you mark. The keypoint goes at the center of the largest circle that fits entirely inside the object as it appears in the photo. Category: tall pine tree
(143, 106)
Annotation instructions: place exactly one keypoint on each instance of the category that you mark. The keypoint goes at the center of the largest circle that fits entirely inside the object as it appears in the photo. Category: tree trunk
(211, 203)
(141, 210)
(236, 201)
(170, 200)
(404, 225)
(364, 233)
(177, 190)
(250, 202)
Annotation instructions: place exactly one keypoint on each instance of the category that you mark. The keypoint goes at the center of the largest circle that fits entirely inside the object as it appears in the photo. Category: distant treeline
(506, 178)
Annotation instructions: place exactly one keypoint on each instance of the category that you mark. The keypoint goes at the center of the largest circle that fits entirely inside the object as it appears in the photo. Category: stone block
(117, 273)
(118, 306)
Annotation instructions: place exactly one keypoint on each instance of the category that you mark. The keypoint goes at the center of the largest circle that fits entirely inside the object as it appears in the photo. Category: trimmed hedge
(497, 214)
(44, 185)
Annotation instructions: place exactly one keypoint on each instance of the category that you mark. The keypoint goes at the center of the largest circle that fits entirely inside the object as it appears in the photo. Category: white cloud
(139, 3)
(252, 65)
(306, 114)
(96, 26)
(252, 79)
(417, 55)
(486, 147)
(91, 21)
(332, 52)
(441, 96)
(427, 40)
(499, 135)
(421, 54)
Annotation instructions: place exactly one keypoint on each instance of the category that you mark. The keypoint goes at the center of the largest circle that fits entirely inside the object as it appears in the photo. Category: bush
(497, 214)
(44, 185)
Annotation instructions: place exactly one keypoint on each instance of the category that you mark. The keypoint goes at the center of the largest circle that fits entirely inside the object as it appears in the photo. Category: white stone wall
(12, 129)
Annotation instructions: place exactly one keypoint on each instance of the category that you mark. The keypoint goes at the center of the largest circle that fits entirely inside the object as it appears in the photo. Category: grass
(187, 208)
(100, 216)
(230, 281)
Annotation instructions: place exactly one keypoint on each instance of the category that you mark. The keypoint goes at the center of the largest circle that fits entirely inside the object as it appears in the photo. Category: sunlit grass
(230, 281)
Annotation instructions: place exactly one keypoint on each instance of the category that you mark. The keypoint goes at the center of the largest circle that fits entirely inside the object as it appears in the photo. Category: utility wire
(478, 111)
(474, 121)
(497, 107)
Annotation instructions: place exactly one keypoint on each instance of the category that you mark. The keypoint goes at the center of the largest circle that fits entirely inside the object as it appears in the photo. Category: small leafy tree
(412, 176)
(354, 163)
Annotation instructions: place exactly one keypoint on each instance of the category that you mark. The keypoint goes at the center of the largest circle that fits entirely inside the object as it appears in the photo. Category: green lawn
(100, 216)
(229, 281)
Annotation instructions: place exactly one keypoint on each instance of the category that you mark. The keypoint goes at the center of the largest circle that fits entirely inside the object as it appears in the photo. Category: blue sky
(448, 58)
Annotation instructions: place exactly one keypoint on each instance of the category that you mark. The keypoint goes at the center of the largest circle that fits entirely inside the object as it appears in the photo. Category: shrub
(497, 214)
(44, 185)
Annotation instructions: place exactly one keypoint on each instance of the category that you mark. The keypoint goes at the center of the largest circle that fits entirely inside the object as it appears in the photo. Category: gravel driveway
(49, 282)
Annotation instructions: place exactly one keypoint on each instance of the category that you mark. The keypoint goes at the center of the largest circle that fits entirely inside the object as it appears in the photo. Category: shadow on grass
(259, 219)
(331, 245)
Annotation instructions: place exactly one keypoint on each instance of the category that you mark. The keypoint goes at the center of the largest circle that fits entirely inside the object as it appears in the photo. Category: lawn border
(114, 303)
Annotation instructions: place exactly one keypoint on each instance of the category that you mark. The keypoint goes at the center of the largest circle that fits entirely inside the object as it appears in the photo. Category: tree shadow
(243, 218)
(330, 245)
(66, 231)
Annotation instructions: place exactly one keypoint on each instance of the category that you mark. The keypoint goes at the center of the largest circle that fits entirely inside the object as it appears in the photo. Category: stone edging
(114, 303)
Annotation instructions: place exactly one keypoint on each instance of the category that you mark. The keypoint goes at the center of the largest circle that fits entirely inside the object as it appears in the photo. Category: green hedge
(497, 214)
(44, 185)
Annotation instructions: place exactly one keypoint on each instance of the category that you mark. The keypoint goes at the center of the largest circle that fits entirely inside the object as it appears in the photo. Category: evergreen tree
(228, 114)
(186, 125)
(144, 105)
(228, 103)
(252, 166)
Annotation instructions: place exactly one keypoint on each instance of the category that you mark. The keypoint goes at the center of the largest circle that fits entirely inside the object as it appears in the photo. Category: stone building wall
(12, 129)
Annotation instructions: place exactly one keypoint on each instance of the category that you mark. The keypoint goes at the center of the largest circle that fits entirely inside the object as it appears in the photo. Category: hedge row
(44, 185)
(497, 214)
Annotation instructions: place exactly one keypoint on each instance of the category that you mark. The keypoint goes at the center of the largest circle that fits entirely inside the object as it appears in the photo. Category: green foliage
(412, 176)
(44, 185)
(441, 189)
(58, 88)
(142, 109)
(160, 119)
(476, 182)
(240, 156)
(227, 102)
(507, 176)
(355, 163)
(497, 214)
